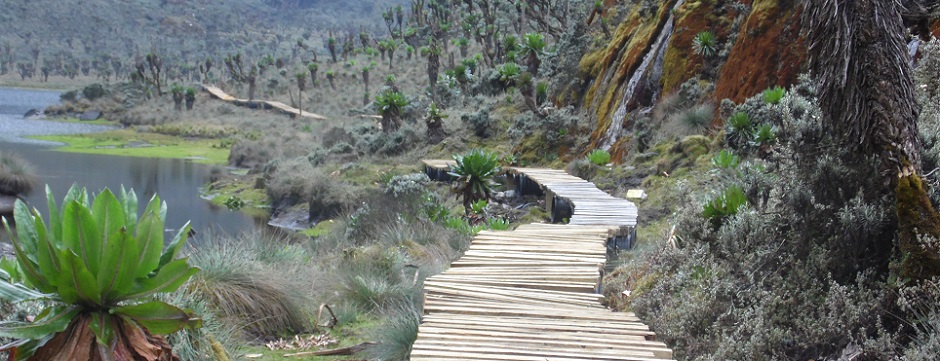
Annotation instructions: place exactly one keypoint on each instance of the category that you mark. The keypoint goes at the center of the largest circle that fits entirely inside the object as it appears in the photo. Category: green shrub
(97, 265)
(725, 159)
(773, 95)
(509, 73)
(599, 157)
(705, 44)
(766, 134)
(474, 172)
(498, 224)
(725, 205)
(740, 130)
(94, 91)
(478, 207)
(234, 203)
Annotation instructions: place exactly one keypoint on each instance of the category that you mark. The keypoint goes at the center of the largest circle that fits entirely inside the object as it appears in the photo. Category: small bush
(234, 203)
(397, 334)
(773, 95)
(766, 134)
(725, 160)
(94, 91)
(705, 44)
(408, 184)
(599, 157)
(725, 205)
(740, 130)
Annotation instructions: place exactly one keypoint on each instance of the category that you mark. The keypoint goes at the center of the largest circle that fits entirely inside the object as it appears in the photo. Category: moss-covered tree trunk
(866, 92)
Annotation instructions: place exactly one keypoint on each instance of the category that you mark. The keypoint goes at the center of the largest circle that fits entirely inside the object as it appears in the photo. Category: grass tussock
(17, 176)
(253, 282)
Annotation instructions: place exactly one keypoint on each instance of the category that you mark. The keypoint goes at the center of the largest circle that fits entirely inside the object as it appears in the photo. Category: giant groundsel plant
(96, 267)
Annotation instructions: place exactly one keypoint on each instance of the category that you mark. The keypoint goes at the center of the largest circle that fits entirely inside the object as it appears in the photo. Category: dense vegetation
(769, 232)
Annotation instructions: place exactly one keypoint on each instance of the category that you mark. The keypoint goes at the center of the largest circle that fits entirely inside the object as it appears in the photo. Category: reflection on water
(177, 181)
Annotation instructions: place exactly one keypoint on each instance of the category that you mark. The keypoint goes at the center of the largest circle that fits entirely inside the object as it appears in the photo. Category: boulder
(92, 114)
(33, 114)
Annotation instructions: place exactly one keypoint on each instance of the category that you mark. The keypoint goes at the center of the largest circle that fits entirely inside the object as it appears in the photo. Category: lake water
(177, 181)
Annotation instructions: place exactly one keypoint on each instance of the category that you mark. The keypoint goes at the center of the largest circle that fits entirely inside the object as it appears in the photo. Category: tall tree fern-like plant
(474, 173)
(97, 266)
(858, 54)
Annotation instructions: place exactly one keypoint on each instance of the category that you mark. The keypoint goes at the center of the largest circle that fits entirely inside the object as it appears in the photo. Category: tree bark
(866, 92)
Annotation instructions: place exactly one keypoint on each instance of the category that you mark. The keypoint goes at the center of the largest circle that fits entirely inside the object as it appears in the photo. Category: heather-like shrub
(799, 274)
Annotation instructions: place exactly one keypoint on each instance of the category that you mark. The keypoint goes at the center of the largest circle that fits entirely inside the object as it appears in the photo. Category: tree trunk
(866, 92)
(435, 130)
(390, 122)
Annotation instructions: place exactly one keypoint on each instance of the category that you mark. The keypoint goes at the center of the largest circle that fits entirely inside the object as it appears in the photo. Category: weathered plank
(530, 294)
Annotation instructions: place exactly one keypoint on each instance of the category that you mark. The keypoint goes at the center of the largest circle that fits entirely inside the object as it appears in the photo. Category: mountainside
(653, 53)
(33, 30)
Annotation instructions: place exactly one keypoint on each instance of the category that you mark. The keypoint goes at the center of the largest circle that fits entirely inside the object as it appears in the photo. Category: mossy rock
(694, 146)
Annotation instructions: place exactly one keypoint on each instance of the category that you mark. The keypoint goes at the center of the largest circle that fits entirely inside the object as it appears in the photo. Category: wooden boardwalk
(531, 293)
(265, 104)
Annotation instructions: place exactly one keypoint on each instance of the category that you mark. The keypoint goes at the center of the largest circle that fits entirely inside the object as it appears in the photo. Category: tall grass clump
(373, 278)
(253, 282)
(396, 336)
(17, 176)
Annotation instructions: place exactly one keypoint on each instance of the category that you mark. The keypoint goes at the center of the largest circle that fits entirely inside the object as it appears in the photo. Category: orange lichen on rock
(769, 51)
(680, 61)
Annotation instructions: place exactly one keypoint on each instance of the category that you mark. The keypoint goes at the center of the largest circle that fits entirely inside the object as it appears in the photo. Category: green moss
(127, 142)
(101, 121)
(257, 202)
(591, 63)
(917, 220)
(320, 229)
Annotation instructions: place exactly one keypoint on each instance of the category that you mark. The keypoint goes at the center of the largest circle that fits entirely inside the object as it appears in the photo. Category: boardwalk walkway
(531, 293)
(265, 104)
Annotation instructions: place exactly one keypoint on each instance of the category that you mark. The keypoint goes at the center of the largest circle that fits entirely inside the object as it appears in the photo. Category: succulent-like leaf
(30, 270)
(150, 239)
(76, 283)
(158, 317)
(15, 292)
(50, 321)
(80, 234)
(26, 229)
(175, 244)
(168, 279)
(46, 253)
(118, 270)
(55, 221)
(109, 215)
(129, 201)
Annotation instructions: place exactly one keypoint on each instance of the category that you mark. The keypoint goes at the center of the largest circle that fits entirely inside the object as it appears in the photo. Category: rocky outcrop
(651, 54)
(769, 51)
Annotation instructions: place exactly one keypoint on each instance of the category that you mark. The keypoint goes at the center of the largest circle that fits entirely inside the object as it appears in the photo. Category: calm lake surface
(177, 181)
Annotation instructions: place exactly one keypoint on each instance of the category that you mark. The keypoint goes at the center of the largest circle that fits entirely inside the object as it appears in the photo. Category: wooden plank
(529, 294)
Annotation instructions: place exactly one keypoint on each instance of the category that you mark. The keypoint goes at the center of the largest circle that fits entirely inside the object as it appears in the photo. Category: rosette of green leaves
(474, 174)
(95, 259)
